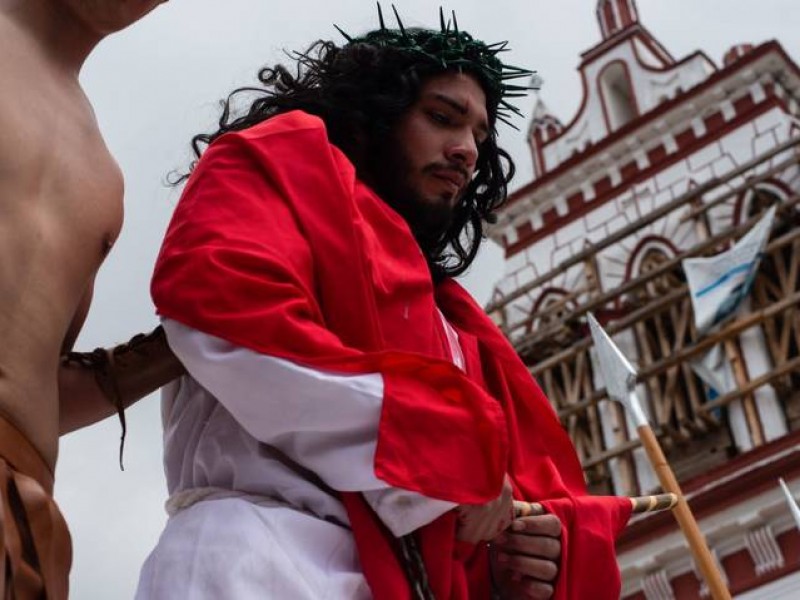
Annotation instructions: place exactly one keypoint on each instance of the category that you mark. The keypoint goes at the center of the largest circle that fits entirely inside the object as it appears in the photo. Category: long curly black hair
(360, 91)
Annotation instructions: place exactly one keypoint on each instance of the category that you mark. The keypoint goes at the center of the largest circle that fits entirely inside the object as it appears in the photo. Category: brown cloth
(36, 546)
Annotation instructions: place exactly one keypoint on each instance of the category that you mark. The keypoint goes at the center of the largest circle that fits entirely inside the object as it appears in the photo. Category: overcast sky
(155, 85)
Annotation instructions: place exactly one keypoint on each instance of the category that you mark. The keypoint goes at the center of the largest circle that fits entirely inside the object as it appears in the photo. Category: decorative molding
(656, 586)
(659, 159)
(787, 67)
(764, 550)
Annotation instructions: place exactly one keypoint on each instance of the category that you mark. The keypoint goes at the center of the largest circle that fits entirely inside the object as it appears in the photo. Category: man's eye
(439, 117)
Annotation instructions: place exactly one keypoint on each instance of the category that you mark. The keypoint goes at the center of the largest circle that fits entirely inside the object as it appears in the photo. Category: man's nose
(463, 150)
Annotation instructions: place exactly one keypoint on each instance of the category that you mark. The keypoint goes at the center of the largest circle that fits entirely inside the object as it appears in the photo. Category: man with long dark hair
(352, 425)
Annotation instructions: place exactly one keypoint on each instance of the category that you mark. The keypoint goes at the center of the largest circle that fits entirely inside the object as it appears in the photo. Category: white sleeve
(327, 422)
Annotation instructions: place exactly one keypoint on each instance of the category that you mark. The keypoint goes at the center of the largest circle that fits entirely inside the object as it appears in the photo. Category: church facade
(669, 158)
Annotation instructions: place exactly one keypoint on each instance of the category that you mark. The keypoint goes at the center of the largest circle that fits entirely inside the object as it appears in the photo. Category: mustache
(454, 168)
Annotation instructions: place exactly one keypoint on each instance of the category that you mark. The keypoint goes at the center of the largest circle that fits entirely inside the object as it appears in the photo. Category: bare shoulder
(55, 168)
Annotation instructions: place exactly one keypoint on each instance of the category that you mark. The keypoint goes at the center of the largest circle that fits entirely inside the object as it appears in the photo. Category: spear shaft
(640, 504)
(683, 515)
(620, 378)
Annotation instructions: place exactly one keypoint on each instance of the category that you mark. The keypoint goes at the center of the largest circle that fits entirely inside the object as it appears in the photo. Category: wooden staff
(683, 514)
(641, 504)
(620, 377)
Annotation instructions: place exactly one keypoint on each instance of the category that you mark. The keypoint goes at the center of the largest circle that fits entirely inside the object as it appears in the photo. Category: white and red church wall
(650, 129)
(587, 203)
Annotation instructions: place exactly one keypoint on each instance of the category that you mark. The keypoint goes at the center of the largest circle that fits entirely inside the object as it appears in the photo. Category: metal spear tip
(618, 373)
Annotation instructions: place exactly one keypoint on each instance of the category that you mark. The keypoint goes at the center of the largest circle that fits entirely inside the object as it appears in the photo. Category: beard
(430, 219)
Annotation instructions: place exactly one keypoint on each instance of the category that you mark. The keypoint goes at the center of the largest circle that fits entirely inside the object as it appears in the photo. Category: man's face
(435, 152)
(108, 16)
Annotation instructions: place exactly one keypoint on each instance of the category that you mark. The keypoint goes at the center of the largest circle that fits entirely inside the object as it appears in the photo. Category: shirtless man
(60, 213)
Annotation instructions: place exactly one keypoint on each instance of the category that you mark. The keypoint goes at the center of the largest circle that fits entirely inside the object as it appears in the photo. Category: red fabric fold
(276, 246)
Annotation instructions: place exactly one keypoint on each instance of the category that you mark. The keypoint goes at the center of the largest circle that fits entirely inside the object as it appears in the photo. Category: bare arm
(81, 401)
(96, 385)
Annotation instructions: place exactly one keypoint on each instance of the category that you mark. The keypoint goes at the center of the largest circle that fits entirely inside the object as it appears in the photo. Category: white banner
(718, 284)
(715, 371)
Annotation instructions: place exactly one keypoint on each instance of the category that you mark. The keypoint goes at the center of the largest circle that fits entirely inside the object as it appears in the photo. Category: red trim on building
(661, 52)
(648, 41)
(685, 139)
(744, 103)
(740, 570)
(544, 296)
(714, 120)
(549, 217)
(629, 170)
(636, 30)
(536, 151)
(581, 109)
(575, 201)
(741, 478)
(686, 586)
(625, 12)
(652, 115)
(659, 161)
(669, 66)
(735, 53)
(609, 20)
(785, 191)
(645, 241)
(524, 230)
(749, 483)
(657, 154)
(602, 186)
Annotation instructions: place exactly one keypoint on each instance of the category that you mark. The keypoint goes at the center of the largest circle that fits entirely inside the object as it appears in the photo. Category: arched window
(550, 308)
(675, 393)
(619, 101)
(548, 314)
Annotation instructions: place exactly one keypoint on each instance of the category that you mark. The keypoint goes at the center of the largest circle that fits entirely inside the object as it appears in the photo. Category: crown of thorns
(449, 49)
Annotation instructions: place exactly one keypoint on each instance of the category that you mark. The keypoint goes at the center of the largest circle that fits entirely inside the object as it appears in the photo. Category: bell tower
(616, 15)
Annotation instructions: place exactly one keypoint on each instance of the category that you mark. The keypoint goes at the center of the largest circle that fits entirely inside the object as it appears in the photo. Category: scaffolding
(652, 313)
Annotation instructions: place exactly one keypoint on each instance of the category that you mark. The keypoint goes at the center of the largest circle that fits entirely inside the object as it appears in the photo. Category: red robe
(276, 246)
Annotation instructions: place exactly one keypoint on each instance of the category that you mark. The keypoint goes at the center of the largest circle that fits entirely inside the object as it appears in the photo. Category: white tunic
(244, 525)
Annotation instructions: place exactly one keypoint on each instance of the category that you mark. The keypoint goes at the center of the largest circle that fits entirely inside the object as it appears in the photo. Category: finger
(527, 566)
(475, 527)
(491, 528)
(537, 545)
(542, 525)
(530, 589)
(496, 522)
